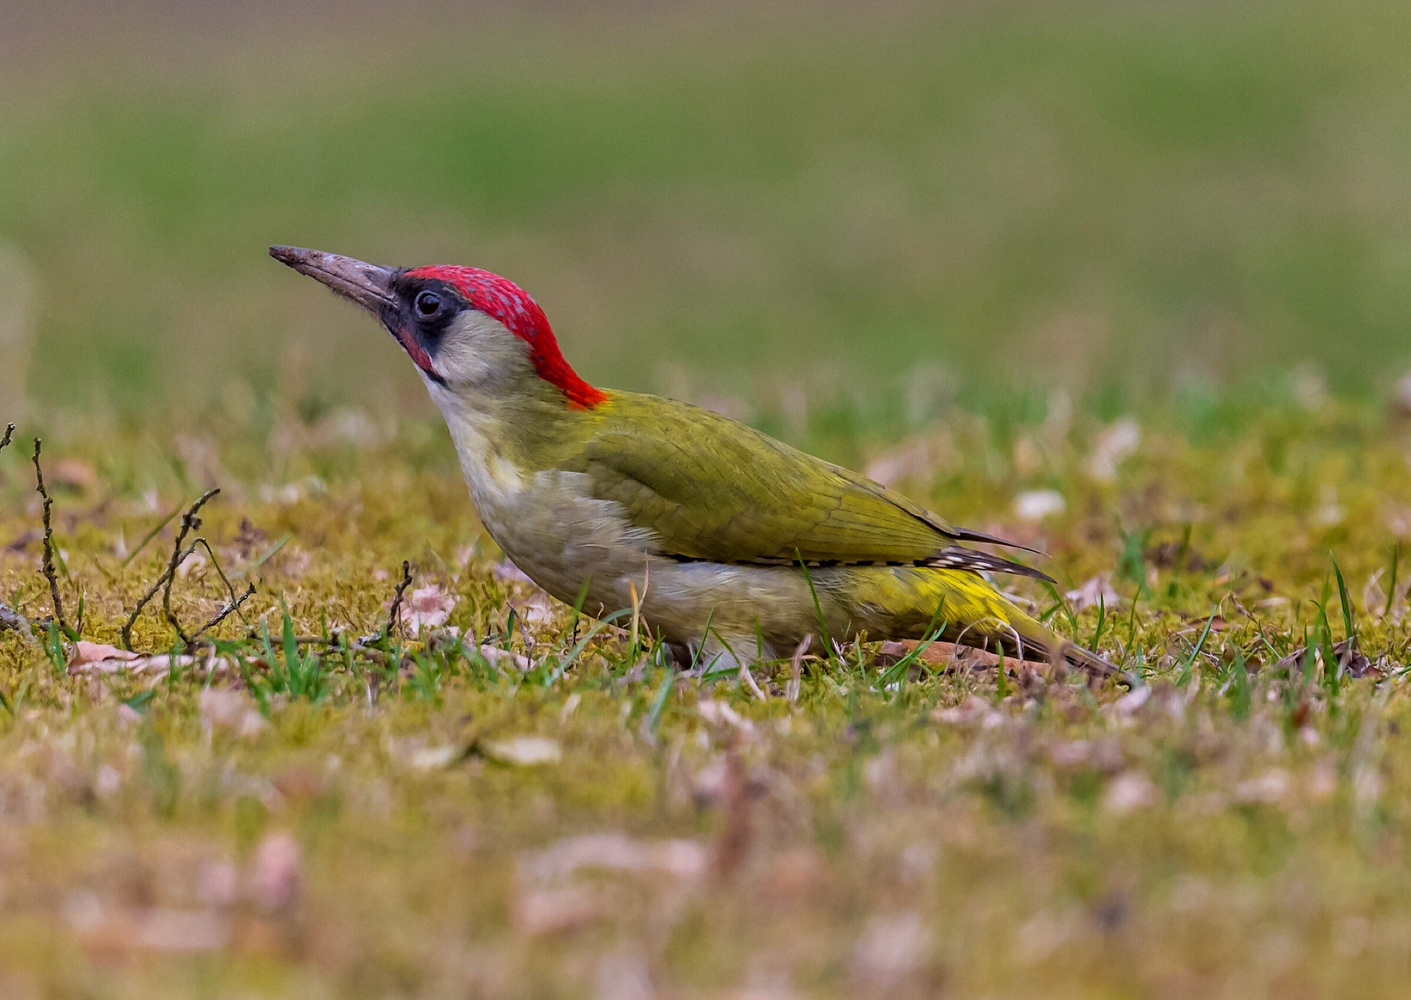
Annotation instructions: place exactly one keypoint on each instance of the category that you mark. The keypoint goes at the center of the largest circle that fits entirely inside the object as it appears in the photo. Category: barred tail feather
(1046, 643)
(958, 557)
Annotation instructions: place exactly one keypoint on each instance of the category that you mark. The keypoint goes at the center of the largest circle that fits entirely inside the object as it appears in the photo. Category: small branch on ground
(12, 621)
(9, 436)
(394, 613)
(50, 572)
(231, 607)
(225, 612)
(189, 522)
(336, 643)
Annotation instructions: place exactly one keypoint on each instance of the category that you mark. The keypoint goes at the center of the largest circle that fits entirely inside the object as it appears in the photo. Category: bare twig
(225, 612)
(749, 681)
(336, 643)
(395, 611)
(189, 522)
(50, 572)
(232, 606)
(215, 564)
(11, 620)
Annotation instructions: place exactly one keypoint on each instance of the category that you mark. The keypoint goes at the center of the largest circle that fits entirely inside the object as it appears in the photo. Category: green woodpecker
(733, 545)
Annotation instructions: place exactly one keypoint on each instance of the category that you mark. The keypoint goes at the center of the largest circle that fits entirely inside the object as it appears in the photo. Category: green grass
(1238, 821)
(960, 241)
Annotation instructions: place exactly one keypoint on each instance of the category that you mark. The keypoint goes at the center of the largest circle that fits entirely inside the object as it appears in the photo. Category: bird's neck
(504, 440)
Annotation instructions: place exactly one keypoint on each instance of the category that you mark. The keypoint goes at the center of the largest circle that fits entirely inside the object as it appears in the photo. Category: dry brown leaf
(1130, 791)
(892, 949)
(426, 608)
(230, 711)
(682, 859)
(548, 911)
(523, 751)
(495, 656)
(1115, 443)
(1096, 591)
(720, 713)
(71, 473)
(118, 933)
(93, 659)
(1037, 505)
(277, 872)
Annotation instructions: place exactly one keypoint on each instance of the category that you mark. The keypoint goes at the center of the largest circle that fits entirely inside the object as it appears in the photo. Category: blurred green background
(768, 201)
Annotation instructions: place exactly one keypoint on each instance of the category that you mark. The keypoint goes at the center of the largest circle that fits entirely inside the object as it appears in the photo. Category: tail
(1095, 665)
(972, 560)
(1040, 641)
(976, 614)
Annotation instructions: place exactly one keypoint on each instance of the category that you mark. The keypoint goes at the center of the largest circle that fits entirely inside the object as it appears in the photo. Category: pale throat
(476, 426)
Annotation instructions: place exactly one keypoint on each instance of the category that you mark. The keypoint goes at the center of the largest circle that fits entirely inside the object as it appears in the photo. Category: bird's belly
(585, 552)
(565, 541)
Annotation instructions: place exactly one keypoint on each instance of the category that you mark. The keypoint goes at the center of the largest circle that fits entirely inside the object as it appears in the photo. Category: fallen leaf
(116, 933)
(196, 562)
(625, 975)
(425, 608)
(891, 950)
(93, 658)
(508, 572)
(682, 859)
(721, 714)
(1036, 505)
(71, 473)
(536, 609)
(1115, 443)
(943, 655)
(1128, 792)
(86, 653)
(547, 911)
(432, 758)
(218, 884)
(277, 872)
(974, 711)
(1096, 591)
(495, 656)
(1400, 403)
(523, 751)
(915, 461)
(230, 711)
(1271, 787)
(1352, 661)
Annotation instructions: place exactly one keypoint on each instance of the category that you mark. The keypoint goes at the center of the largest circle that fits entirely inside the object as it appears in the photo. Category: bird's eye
(427, 303)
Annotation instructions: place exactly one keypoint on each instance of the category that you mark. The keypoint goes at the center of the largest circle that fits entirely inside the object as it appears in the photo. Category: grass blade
(1189, 665)
(1348, 622)
(582, 644)
(817, 606)
(1391, 588)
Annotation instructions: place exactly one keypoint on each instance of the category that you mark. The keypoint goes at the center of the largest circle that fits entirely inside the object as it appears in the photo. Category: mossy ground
(1237, 827)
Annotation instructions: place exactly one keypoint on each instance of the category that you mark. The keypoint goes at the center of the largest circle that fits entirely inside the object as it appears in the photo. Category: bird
(731, 546)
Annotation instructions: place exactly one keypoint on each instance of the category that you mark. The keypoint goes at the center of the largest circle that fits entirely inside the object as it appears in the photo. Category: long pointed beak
(368, 285)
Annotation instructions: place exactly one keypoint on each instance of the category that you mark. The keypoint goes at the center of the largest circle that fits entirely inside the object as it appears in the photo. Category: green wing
(710, 488)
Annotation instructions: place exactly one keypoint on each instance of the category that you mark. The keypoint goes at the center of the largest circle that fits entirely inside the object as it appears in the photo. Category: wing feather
(709, 488)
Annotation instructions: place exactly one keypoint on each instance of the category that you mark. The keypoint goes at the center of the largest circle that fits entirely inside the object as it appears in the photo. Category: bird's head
(466, 329)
